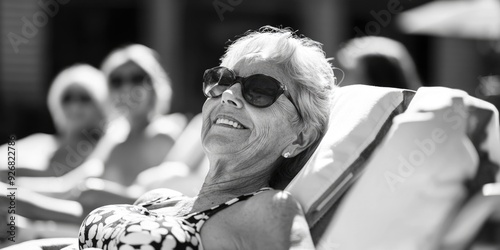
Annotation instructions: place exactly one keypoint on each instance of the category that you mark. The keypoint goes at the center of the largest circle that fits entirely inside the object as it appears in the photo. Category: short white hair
(84, 76)
(302, 60)
(149, 61)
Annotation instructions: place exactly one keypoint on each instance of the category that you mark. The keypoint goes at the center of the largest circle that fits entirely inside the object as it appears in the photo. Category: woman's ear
(304, 139)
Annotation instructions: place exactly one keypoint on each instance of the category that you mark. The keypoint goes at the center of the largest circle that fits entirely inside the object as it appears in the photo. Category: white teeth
(228, 122)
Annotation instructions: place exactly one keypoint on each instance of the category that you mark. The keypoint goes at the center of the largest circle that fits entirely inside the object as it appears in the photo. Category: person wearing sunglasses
(267, 107)
(136, 136)
(140, 92)
(139, 134)
(77, 103)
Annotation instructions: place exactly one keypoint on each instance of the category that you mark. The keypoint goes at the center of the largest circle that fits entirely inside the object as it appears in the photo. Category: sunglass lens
(73, 97)
(258, 90)
(261, 91)
(85, 99)
(216, 90)
(115, 82)
(216, 81)
(139, 79)
(66, 99)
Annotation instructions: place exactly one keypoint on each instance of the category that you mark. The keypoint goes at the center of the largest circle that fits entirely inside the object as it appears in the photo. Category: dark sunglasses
(135, 80)
(259, 90)
(76, 97)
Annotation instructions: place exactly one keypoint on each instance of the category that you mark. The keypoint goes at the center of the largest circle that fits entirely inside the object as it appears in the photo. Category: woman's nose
(232, 96)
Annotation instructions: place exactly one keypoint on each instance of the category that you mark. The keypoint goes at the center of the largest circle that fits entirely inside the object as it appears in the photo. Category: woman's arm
(59, 186)
(39, 207)
(40, 147)
(95, 192)
(63, 183)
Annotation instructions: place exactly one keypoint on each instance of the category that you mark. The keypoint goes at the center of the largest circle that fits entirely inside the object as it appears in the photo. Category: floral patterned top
(127, 227)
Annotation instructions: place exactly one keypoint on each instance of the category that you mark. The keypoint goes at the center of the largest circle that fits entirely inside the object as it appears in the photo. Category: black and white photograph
(250, 124)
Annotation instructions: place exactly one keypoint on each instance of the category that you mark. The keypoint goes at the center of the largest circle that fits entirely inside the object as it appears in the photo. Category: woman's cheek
(207, 108)
(204, 128)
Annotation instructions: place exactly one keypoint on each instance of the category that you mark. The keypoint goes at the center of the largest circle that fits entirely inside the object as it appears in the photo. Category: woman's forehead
(252, 64)
(128, 67)
(75, 86)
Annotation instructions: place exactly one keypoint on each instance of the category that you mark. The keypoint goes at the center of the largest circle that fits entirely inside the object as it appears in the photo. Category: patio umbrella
(475, 19)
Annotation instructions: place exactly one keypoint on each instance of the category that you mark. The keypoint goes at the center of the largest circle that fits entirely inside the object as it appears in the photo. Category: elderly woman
(77, 103)
(140, 90)
(267, 107)
(138, 135)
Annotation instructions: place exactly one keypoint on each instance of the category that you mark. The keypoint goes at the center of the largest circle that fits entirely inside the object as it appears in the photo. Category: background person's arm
(61, 185)
(32, 156)
(64, 182)
(39, 207)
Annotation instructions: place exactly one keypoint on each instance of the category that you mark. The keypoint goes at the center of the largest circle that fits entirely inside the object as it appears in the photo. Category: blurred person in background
(139, 134)
(137, 137)
(378, 61)
(77, 103)
(140, 91)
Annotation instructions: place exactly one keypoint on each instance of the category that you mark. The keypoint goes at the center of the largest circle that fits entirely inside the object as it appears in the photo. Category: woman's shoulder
(268, 218)
(275, 197)
(273, 203)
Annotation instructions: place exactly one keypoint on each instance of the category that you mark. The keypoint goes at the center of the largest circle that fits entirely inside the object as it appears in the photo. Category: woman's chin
(226, 138)
(223, 145)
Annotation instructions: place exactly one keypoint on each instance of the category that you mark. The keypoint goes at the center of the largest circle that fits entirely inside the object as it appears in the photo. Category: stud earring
(286, 155)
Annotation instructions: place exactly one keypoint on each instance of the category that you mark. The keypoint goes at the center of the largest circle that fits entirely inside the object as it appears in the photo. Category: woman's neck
(224, 183)
(76, 135)
(138, 125)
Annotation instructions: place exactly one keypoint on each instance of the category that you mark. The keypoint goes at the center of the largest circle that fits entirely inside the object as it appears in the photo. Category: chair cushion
(360, 117)
(418, 177)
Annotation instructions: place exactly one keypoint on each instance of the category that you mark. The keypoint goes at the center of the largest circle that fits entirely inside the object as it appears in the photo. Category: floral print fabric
(129, 227)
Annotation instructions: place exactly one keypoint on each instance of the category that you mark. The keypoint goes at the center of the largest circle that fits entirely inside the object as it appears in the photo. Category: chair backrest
(361, 116)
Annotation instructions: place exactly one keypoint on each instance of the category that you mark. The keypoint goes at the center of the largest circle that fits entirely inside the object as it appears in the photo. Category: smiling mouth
(230, 123)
